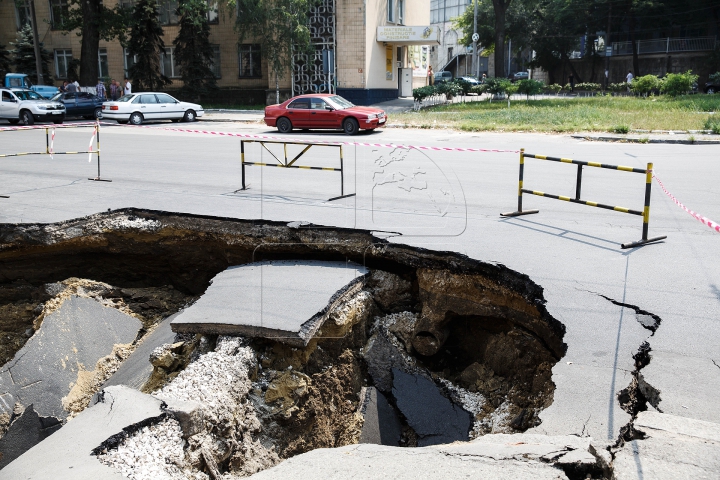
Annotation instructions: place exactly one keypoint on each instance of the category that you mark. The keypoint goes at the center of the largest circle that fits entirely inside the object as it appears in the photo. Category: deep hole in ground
(473, 336)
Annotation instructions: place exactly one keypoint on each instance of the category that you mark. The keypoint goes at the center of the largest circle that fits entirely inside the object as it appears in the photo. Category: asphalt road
(451, 200)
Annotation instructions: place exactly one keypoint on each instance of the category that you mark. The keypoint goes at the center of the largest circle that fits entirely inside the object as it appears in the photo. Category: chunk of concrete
(285, 300)
(136, 369)
(189, 414)
(381, 425)
(434, 418)
(25, 431)
(67, 454)
(524, 446)
(70, 341)
(674, 448)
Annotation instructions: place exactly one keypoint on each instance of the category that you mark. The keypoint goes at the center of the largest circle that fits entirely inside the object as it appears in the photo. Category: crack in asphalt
(638, 311)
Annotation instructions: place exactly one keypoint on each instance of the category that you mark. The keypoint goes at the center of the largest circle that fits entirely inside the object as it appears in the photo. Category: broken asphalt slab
(434, 418)
(25, 431)
(70, 342)
(136, 369)
(492, 456)
(673, 448)
(381, 425)
(67, 454)
(286, 300)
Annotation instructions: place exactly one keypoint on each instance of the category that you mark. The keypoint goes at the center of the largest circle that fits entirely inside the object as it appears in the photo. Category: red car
(323, 110)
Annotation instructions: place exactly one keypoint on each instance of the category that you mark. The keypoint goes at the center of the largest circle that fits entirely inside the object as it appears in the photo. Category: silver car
(18, 105)
(137, 108)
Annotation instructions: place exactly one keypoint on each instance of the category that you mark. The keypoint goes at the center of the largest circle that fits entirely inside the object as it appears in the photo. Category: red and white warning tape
(697, 216)
(52, 143)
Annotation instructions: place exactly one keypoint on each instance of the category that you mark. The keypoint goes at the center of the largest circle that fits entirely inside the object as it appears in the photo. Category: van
(444, 76)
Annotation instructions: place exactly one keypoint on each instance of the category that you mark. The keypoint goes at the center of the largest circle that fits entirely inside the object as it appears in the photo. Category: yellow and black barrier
(48, 145)
(286, 162)
(645, 212)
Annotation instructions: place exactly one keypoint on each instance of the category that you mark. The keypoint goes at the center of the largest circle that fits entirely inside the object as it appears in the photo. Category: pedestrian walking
(484, 78)
(127, 88)
(431, 75)
(114, 90)
(571, 81)
(629, 78)
(100, 89)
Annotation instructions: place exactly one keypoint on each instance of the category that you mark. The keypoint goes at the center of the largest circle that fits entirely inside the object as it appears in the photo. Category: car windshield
(28, 95)
(339, 102)
(125, 98)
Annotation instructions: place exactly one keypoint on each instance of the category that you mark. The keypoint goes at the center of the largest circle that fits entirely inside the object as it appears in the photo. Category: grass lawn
(592, 114)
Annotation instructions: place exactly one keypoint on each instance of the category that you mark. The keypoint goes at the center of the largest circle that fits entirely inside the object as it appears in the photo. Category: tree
(279, 26)
(147, 44)
(24, 55)
(92, 21)
(4, 63)
(193, 52)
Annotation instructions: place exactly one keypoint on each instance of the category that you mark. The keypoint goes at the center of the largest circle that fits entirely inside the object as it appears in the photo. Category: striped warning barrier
(645, 213)
(286, 162)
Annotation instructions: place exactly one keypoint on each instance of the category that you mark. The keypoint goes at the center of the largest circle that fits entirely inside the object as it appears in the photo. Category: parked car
(712, 87)
(27, 107)
(80, 104)
(471, 80)
(325, 111)
(443, 76)
(137, 108)
(520, 76)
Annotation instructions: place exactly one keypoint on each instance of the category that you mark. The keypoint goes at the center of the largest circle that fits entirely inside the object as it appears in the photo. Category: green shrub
(464, 85)
(675, 84)
(645, 85)
(554, 88)
(713, 124)
(715, 77)
(419, 94)
(450, 89)
(530, 87)
(478, 89)
(498, 86)
(567, 87)
(620, 129)
(587, 86)
(618, 87)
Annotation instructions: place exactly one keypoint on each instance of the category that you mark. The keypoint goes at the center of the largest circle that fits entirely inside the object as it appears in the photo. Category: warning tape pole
(520, 191)
(47, 141)
(646, 213)
(242, 162)
(97, 148)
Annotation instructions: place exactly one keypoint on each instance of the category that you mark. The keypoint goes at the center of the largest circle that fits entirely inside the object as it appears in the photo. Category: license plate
(382, 120)
(54, 113)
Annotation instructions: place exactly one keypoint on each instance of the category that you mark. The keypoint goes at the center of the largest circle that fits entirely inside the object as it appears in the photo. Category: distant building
(367, 50)
(451, 55)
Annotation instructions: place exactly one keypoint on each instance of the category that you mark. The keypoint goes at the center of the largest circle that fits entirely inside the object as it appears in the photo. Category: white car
(26, 106)
(137, 108)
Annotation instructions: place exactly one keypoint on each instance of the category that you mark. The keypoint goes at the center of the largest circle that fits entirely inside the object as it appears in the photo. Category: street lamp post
(475, 38)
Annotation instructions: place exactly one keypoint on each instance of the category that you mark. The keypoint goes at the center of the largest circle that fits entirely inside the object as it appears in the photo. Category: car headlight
(43, 107)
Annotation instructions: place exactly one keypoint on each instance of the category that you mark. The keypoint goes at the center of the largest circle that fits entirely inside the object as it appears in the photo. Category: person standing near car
(114, 90)
(431, 75)
(127, 88)
(100, 89)
(71, 87)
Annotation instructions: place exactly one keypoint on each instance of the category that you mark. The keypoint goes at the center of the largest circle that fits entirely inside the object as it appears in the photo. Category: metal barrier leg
(97, 145)
(242, 163)
(646, 214)
(342, 180)
(520, 192)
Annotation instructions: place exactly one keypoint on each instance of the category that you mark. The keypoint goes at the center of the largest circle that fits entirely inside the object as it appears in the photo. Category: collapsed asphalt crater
(429, 348)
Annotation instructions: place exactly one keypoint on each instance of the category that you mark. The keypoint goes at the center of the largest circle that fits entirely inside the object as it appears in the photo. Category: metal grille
(315, 73)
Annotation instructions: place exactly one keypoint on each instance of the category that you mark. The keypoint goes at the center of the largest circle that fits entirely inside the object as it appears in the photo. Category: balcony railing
(665, 45)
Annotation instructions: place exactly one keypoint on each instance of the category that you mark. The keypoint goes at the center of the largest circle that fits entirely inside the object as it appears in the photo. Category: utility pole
(36, 43)
(475, 39)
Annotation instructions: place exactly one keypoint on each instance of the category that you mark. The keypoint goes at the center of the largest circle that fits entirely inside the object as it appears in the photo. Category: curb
(645, 140)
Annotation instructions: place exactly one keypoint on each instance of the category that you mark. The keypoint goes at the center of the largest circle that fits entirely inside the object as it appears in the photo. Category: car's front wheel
(711, 90)
(98, 113)
(136, 118)
(284, 125)
(189, 116)
(26, 118)
(350, 126)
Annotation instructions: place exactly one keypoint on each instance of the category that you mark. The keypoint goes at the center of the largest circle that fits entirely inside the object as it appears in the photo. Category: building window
(62, 62)
(401, 11)
(58, 10)
(215, 67)
(167, 12)
(102, 62)
(22, 14)
(249, 61)
(446, 10)
(130, 60)
(391, 11)
(167, 63)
